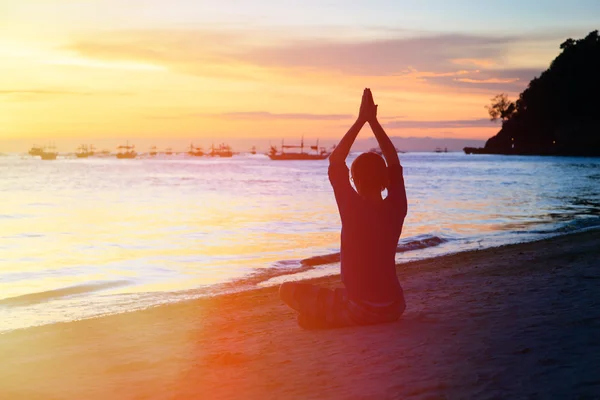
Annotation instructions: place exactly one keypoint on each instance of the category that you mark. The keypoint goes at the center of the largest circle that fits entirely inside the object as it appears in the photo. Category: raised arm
(396, 188)
(387, 147)
(341, 151)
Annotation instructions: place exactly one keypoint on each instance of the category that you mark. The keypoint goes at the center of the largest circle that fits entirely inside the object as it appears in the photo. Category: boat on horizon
(223, 150)
(49, 153)
(153, 151)
(36, 151)
(440, 150)
(320, 153)
(84, 151)
(195, 151)
(168, 151)
(380, 152)
(126, 151)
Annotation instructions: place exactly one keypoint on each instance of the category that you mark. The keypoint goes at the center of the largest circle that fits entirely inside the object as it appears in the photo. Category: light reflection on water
(162, 225)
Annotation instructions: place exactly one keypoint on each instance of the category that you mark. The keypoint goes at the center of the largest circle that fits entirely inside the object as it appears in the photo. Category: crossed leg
(317, 307)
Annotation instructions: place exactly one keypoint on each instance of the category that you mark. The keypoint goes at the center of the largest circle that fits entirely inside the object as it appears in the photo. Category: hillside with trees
(559, 112)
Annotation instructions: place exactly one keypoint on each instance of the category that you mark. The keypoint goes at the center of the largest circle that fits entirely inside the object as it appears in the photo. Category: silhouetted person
(371, 227)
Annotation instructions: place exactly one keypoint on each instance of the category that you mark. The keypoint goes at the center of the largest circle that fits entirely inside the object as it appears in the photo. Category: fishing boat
(36, 151)
(319, 153)
(253, 150)
(82, 152)
(169, 151)
(49, 153)
(195, 151)
(222, 150)
(440, 150)
(49, 156)
(126, 151)
(380, 152)
(153, 151)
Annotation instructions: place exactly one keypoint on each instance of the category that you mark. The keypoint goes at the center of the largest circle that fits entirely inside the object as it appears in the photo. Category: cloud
(506, 80)
(382, 57)
(435, 59)
(448, 124)
(284, 116)
(261, 115)
(44, 92)
(161, 45)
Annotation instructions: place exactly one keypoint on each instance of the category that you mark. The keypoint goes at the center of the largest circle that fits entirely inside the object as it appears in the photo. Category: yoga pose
(371, 227)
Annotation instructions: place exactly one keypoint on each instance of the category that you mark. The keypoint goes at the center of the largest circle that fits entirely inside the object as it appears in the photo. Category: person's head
(369, 174)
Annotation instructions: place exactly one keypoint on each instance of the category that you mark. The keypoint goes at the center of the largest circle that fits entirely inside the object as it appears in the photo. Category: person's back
(371, 227)
(370, 233)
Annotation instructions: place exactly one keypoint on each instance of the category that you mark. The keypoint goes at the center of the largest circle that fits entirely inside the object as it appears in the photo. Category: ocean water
(87, 237)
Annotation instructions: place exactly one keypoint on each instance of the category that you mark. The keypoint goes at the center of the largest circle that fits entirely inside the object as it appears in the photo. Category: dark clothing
(370, 234)
(320, 308)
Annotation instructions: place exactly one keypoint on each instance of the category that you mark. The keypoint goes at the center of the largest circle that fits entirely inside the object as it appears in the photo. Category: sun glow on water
(92, 236)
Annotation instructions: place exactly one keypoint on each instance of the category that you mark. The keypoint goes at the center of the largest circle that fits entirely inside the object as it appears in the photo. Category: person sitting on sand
(371, 228)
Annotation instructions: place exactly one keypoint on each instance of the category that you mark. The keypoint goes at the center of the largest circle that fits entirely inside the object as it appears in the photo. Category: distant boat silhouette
(222, 151)
(129, 151)
(49, 153)
(49, 156)
(253, 150)
(82, 152)
(153, 152)
(169, 151)
(36, 151)
(320, 152)
(439, 150)
(195, 151)
(380, 152)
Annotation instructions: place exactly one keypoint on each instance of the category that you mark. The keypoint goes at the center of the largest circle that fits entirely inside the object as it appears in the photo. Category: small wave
(40, 297)
(288, 264)
(408, 244)
(321, 260)
(419, 243)
(570, 227)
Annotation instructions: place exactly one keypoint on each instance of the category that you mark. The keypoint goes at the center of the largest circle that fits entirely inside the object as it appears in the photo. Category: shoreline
(416, 248)
(111, 265)
(512, 320)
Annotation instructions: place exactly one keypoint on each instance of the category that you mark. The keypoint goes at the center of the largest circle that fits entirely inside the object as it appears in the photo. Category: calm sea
(86, 237)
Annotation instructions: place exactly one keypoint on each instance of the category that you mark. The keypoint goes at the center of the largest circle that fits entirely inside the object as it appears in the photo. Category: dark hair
(370, 172)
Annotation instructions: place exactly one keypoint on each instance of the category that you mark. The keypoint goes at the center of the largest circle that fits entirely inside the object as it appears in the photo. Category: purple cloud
(382, 57)
(466, 123)
(508, 80)
(203, 53)
(261, 115)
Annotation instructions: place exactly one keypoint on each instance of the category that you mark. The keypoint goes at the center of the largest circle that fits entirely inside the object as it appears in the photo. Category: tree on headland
(557, 114)
(500, 108)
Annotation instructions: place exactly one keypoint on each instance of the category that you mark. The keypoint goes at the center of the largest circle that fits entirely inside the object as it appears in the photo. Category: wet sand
(520, 321)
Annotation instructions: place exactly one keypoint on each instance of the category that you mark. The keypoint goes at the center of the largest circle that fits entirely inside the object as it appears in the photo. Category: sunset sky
(242, 69)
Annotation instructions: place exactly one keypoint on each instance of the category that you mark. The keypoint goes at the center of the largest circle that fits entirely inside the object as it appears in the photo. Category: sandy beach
(520, 321)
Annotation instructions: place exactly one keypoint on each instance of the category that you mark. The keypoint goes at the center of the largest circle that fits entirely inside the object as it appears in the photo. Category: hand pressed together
(368, 108)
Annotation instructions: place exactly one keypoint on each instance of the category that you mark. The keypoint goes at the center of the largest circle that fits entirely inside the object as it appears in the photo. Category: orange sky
(144, 69)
